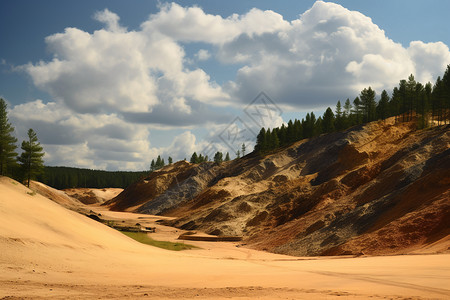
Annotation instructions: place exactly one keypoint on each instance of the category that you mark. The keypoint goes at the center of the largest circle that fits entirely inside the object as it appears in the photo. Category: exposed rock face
(382, 188)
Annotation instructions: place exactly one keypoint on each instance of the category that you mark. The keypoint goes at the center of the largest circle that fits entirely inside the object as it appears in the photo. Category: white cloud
(112, 87)
(328, 54)
(114, 70)
(203, 54)
(192, 24)
(110, 19)
(83, 140)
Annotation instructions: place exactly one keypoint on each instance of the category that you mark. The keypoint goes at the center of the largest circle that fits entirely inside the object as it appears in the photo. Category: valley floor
(218, 270)
(47, 251)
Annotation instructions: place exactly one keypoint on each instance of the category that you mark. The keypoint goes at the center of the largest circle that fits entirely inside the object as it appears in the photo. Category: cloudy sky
(111, 84)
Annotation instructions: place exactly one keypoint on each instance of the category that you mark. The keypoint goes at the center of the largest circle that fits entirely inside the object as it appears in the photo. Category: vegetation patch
(143, 238)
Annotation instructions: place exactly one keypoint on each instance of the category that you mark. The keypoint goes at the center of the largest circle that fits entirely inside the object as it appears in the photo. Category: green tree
(31, 157)
(169, 160)
(261, 142)
(274, 141)
(357, 111)
(347, 108)
(339, 117)
(328, 121)
(152, 165)
(7, 141)
(383, 106)
(218, 157)
(194, 158)
(227, 157)
(367, 97)
(243, 149)
(238, 154)
(410, 96)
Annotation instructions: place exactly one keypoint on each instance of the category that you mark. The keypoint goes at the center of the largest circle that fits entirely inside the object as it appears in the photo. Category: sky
(112, 84)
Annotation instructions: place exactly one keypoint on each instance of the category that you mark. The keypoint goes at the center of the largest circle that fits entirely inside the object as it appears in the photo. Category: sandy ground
(47, 251)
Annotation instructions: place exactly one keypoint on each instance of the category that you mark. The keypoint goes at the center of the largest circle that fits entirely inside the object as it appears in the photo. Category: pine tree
(227, 157)
(347, 108)
(347, 114)
(169, 160)
(282, 135)
(261, 142)
(298, 130)
(290, 132)
(357, 111)
(31, 157)
(410, 96)
(7, 141)
(243, 149)
(367, 97)
(194, 158)
(274, 141)
(328, 121)
(446, 94)
(218, 157)
(152, 165)
(339, 117)
(382, 107)
(238, 154)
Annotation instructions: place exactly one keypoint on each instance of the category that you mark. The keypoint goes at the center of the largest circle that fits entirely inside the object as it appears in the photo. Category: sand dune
(48, 251)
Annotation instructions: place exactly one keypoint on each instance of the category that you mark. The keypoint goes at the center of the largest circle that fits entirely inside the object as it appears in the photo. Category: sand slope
(47, 251)
(380, 188)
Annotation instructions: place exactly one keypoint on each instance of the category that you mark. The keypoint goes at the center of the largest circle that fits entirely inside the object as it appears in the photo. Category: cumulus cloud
(114, 70)
(96, 140)
(111, 88)
(192, 24)
(329, 53)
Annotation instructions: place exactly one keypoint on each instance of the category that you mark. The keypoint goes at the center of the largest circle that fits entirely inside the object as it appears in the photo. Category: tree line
(66, 177)
(198, 158)
(29, 163)
(427, 104)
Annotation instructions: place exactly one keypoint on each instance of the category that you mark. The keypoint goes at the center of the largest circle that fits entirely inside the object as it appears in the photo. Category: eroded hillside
(381, 188)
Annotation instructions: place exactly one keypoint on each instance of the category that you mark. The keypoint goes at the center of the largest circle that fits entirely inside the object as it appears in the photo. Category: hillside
(381, 188)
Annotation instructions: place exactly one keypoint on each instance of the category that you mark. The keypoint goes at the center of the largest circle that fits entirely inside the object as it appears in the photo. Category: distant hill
(66, 177)
(379, 188)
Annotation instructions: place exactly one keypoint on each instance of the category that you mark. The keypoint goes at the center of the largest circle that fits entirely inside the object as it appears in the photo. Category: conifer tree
(282, 135)
(357, 111)
(339, 117)
(328, 121)
(368, 104)
(152, 165)
(194, 158)
(31, 157)
(227, 157)
(169, 160)
(218, 157)
(261, 141)
(243, 149)
(7, 141)
(298, 130)
(382, 107)
(274, 141)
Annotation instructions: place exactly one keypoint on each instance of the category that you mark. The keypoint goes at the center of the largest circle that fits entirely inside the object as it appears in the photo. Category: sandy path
(47, 251)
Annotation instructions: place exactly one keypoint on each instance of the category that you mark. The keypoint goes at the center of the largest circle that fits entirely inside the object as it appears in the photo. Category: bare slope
(93, 196)
(382, 188)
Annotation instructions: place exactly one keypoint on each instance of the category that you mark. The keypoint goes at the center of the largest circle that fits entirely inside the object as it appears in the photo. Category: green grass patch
(143, 238)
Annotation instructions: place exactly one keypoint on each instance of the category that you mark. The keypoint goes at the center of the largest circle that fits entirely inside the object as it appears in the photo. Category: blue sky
(134, 79)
